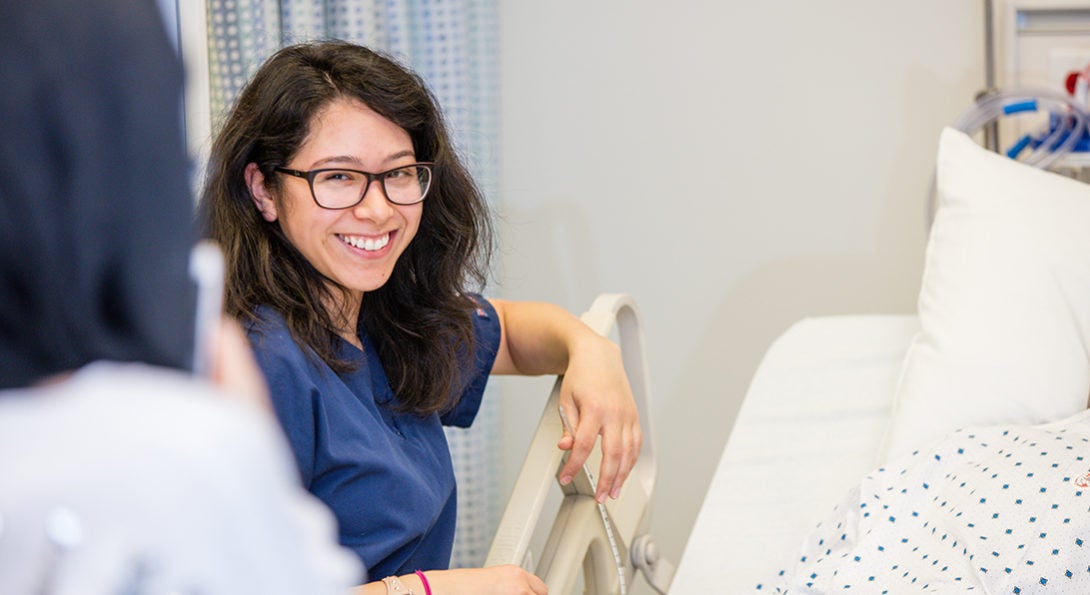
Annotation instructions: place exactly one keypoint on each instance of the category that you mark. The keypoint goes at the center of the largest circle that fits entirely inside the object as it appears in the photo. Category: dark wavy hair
(420, 319)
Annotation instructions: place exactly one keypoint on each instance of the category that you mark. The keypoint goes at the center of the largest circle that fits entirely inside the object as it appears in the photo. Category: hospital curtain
(452, 45)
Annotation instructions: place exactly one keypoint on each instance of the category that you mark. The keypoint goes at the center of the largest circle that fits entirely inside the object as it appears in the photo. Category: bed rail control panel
(607, 542)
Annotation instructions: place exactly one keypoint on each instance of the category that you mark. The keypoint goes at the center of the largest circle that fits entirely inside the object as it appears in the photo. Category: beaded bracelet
(424, 580)
(394, 587)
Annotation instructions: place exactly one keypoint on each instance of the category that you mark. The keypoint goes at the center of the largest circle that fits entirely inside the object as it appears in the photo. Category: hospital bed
(1001, 336)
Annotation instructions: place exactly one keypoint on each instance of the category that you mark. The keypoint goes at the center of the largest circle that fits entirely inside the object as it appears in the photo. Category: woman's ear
(255, 181)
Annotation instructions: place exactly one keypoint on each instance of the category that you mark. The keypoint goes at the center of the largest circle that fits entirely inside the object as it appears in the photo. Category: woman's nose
(374, 204)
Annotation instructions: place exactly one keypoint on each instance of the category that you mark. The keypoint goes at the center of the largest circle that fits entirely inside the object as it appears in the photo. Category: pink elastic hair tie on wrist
(424, 579)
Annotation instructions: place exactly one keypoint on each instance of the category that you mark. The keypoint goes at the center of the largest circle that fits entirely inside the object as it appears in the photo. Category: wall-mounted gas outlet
(1041, 39)
(1039, 43)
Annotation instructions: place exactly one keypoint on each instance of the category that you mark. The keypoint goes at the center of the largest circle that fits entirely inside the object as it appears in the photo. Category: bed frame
(601, 546)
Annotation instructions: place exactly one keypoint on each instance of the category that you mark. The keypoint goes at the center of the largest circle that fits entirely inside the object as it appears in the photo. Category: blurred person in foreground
(120, 470)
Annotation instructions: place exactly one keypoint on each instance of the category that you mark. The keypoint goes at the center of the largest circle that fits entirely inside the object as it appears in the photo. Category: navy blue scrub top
(387, 477)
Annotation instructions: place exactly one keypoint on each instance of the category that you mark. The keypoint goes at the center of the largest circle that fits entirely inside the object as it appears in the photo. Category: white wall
(735, 166)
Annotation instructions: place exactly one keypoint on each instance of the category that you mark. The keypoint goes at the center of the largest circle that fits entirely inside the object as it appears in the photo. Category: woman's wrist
(424, 582)
(590, 343)
(416, 583)
(395, 586)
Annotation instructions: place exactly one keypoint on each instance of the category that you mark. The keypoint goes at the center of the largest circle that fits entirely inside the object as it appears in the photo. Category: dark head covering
(96, 216)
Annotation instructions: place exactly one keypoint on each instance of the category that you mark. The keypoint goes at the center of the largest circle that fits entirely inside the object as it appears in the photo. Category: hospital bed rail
(609, 541)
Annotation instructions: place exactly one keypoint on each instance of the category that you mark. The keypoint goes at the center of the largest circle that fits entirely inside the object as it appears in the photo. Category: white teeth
(369, 244)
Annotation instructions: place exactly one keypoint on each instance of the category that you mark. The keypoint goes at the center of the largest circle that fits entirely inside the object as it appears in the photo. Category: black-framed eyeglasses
(338, 188)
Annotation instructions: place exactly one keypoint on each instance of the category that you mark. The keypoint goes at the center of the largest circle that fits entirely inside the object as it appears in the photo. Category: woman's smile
(372, 246)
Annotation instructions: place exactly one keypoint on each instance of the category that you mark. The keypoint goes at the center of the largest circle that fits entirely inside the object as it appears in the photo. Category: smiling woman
(354, 238)
(349, 230)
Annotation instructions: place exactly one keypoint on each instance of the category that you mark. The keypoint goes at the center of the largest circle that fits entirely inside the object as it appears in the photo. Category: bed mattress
(808, 430)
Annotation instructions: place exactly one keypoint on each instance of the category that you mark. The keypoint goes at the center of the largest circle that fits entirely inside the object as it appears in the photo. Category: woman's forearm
(538, 338)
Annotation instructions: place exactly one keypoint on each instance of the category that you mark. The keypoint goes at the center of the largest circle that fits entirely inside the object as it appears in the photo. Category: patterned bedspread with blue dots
(988, 510)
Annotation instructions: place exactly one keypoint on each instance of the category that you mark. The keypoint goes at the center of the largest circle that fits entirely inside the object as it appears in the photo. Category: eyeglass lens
(340, 189)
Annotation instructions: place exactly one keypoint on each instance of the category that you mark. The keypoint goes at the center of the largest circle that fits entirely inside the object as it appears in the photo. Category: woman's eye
(336, 176)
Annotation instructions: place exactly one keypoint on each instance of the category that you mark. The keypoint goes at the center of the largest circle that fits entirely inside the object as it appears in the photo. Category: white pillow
(1004, 305)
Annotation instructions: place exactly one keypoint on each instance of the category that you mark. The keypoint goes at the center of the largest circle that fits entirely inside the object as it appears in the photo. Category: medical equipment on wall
(1038, 43)
(1059, 140)
(607, 541)
(1065, 126)
(1034, 50)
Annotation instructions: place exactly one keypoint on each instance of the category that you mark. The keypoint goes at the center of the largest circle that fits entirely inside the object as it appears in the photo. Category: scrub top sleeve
(486, 337)
(293, 395)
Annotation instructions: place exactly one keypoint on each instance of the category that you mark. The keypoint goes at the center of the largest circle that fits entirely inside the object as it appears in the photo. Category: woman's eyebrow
(400, 154)
(335, 159)
(356, 161)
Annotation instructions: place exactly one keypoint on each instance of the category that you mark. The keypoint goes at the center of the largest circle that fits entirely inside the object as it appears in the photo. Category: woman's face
(357, 247)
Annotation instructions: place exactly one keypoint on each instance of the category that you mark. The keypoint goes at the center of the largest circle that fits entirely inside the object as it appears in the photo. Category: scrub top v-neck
(387, 476)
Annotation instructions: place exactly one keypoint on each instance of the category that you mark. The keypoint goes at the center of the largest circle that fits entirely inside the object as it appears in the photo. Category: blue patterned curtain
(453, 46)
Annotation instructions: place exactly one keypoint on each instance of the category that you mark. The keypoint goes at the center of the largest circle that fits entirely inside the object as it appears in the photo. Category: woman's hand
(494, 580)
(540, 338)
(597, 401)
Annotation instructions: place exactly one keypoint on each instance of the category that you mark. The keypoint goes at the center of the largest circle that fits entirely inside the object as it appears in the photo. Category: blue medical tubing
(1029, 105)
(1067, 125)
(1058, 141)
(1019, 146)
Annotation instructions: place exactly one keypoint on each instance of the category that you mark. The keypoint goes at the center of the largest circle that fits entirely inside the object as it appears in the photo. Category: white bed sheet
(808, 430)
